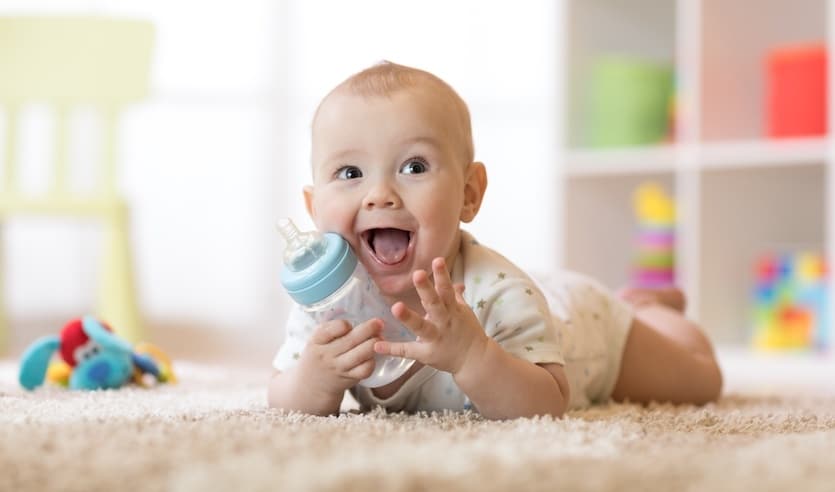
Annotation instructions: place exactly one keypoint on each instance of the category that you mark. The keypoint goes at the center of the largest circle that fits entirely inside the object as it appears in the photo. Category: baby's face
(388, 176)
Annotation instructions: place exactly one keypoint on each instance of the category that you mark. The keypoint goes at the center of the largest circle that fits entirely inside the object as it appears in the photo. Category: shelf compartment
(599, 29)
(746, 214)
(736, 38)
(600, 225)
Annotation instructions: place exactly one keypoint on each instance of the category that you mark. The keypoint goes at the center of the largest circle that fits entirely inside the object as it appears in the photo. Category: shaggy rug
(213, 431)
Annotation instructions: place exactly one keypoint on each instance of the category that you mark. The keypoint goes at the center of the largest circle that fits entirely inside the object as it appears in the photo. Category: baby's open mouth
(388, 245)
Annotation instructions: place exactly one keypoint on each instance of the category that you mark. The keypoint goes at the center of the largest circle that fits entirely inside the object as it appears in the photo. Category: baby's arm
(451, 339)
(336, 358)
(503, 386)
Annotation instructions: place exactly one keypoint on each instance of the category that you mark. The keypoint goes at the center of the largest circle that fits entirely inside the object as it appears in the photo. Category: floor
(782, 373)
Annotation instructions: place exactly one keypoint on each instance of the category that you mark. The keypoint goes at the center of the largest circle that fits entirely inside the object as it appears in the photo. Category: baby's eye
(414, 166)
(348, 172)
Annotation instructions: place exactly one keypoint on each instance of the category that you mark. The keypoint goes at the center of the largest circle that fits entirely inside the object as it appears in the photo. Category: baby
(394, 174)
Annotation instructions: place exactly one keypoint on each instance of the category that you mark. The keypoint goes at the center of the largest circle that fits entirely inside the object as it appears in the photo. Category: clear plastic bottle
(321, 273)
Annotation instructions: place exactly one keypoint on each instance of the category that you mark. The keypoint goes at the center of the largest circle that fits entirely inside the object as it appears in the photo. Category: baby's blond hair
(386, 78)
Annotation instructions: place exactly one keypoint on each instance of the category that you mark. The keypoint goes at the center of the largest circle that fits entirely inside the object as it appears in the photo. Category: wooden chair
(68, 62)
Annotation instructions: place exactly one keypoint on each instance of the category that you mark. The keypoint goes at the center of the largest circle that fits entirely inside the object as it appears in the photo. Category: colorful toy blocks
(654, 261)
(790, 302)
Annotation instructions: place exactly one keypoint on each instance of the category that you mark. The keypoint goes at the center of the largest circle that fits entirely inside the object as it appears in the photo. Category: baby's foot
(671, 297)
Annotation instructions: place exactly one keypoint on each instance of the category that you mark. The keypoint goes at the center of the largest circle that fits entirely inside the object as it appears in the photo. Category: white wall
(220, 150)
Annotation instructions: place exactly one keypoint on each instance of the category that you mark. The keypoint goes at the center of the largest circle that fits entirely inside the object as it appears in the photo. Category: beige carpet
(214, 432)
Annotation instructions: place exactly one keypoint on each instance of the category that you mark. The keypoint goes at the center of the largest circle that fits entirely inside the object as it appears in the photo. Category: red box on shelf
(796, 91)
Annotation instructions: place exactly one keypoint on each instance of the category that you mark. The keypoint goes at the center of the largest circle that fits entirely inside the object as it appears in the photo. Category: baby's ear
(308, 201)
(475, 185)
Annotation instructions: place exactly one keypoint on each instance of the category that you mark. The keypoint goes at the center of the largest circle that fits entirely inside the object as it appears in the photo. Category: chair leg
(117, 296)
(4, 326)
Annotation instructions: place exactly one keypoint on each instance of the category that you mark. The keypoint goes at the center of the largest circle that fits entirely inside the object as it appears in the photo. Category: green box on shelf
(628, 101)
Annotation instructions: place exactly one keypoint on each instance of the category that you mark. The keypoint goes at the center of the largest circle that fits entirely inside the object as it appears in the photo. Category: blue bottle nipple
(315, 264)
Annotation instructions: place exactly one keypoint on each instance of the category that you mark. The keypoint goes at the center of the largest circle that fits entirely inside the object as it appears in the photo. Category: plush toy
(92, 357)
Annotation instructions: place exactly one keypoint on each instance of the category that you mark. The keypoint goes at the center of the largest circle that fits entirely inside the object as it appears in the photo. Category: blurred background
(643, 142)
(219, 150)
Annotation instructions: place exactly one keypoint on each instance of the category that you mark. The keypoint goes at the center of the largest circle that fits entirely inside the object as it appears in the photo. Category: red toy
(75, 344)
(796, 92)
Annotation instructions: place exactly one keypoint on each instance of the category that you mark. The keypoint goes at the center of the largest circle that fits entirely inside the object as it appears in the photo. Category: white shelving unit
(738, 194)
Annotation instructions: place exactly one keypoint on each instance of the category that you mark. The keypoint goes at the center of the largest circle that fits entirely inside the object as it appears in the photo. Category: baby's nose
(381, 196)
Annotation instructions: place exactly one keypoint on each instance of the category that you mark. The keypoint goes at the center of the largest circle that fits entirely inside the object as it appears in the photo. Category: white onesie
(567, 319)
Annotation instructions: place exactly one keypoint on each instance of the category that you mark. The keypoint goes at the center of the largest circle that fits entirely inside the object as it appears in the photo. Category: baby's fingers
(416, 324)
(407, 350)
(443, 283)
(459, 293)
(358, 355)
(329, 331)
(429, 298)
(362, 371)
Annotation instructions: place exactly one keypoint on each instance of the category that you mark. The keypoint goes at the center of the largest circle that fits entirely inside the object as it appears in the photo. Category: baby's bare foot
(671, 297)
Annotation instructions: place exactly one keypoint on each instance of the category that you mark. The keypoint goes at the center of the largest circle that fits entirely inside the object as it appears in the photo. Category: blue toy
(93, 357)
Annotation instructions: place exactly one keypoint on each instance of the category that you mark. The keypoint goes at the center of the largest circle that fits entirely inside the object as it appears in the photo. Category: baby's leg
(667, 358)
(669, 296)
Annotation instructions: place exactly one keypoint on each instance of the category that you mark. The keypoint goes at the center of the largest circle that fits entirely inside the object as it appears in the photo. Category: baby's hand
(337, 357)
(449, 334)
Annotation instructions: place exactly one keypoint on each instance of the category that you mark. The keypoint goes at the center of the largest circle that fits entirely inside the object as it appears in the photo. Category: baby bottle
(321, 273)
